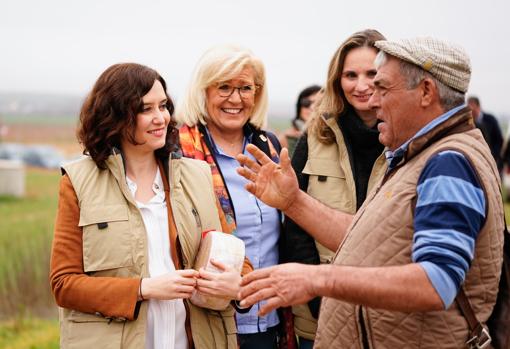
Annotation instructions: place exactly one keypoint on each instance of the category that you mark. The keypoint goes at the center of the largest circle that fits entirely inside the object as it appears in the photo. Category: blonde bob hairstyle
(333, 102)
(217, 65)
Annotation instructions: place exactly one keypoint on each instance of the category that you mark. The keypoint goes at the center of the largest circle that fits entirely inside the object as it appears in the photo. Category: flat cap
(447, 62)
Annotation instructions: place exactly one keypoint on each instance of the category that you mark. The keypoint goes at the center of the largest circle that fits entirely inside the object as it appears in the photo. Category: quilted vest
(381, 235)
(120, 250)
(330, 162)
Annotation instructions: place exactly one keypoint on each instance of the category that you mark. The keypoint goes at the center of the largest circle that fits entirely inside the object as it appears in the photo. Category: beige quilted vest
(337, 191)
(381, 235)
(121, 249)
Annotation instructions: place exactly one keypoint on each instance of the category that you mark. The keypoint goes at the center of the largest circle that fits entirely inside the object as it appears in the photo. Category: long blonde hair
(333, 101)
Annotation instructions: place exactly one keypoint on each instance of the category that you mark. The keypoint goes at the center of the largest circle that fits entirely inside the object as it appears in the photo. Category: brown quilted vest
(381, 235)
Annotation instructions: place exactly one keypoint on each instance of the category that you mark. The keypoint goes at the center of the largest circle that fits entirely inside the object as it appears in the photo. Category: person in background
(129, 223)
(339, 157)
(427, 244)
(223, 110)
(489, 126)
(306, 102)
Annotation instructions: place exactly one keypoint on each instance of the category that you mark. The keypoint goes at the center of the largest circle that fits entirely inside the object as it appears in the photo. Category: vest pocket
(323, 167)
(88, 331)
(328, 184)
(107, 237)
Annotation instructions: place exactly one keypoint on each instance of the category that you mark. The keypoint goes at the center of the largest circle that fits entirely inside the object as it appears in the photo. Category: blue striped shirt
(450, 212)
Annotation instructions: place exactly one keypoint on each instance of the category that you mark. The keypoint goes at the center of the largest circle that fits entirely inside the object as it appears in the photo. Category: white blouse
(165, 318)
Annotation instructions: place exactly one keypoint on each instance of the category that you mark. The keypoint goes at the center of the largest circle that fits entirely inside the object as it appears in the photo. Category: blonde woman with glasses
(223, 110)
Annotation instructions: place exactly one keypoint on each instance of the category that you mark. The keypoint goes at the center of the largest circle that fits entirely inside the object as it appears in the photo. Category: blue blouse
(258, 225)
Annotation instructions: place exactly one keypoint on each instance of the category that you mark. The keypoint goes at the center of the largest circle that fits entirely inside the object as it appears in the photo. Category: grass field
(27, 310)
(56, 131)
(38, 120)
(26, 229)
(29, 333)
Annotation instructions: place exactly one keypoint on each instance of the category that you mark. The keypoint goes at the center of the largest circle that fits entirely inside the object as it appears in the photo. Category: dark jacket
(492, 134)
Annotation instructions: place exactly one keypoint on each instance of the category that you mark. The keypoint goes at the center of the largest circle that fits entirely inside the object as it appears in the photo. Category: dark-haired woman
(306, 101)
(129, 222)
(339, 157)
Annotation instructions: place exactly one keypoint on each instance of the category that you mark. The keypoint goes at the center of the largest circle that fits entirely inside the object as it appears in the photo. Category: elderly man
(430, 230)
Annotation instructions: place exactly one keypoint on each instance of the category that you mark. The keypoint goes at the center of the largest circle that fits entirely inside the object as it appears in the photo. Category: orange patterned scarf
(194, 146)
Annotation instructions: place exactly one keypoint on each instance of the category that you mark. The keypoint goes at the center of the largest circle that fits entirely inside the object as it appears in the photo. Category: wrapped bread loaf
(221, 247)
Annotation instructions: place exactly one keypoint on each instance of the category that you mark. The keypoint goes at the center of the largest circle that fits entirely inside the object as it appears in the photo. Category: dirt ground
(61, 136)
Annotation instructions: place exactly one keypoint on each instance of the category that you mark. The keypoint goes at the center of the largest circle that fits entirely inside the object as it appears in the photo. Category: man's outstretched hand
(280, 285)
(275, 184)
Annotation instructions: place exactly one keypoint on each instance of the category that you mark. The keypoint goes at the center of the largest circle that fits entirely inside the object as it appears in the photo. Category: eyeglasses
(245, 91)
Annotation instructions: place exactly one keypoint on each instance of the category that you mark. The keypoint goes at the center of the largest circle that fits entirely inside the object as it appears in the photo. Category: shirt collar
(248, 135)
(157, 187)
(396, 157)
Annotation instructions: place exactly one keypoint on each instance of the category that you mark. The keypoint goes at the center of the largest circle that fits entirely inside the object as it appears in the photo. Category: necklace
(230, 145)
(230, 148)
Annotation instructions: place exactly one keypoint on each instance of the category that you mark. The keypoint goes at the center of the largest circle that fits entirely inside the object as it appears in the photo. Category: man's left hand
(281, 285)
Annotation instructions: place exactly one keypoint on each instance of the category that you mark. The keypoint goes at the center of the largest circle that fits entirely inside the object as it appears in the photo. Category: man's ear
(429, 92)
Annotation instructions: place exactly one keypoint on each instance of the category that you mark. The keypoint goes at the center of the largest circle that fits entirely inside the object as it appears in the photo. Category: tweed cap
(447, 62)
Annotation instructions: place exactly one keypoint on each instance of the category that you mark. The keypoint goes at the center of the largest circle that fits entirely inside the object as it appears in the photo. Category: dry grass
(60, 136)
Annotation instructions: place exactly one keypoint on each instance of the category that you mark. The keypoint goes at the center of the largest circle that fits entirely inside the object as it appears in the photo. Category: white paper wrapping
(224, 248)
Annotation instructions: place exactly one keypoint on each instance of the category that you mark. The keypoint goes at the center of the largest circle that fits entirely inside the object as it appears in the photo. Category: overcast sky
(61, 46)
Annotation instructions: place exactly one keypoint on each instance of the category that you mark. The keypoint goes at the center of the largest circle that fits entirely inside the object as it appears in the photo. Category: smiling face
(151, 122)
(229, 114)
(357, 80)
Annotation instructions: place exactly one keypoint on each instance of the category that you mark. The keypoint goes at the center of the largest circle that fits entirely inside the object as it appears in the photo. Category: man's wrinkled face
(396, 105)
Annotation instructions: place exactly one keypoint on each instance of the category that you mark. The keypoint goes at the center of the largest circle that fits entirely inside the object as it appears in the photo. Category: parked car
(40, 155)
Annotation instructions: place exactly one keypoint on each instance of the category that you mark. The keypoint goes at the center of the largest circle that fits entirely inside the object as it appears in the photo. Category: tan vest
(120, 250)
(337, 191)
(381, 234)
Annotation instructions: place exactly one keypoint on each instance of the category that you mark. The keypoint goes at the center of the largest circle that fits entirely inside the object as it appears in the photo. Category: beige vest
(381, 234)
(120, 250)
(337, 191)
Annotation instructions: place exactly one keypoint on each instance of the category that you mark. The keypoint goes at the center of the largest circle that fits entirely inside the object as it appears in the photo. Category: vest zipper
(363, 327)
(171, 216)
